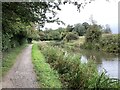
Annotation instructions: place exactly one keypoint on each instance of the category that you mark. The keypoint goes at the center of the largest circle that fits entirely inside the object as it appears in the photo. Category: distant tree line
(71, 32)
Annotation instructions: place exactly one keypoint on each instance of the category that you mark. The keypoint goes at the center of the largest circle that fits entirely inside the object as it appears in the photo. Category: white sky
(103, 12)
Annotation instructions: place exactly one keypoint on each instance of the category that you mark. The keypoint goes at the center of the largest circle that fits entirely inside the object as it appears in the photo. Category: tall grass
(46, 76)
(73, 73)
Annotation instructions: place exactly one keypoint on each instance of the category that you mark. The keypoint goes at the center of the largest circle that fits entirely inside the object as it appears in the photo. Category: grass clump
(46, 76)
(9, 58)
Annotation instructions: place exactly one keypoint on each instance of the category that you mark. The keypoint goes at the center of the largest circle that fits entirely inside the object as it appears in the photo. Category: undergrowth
(73, 73)
(46, 76)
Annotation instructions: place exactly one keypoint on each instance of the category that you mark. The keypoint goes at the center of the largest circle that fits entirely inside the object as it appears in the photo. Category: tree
(17, 14)
(71, 36)
(18, 18)
(27, 12)
(86, 25)
(80, 29)
(69, 28)
(42, 35)
(93, 34)
(107, 29)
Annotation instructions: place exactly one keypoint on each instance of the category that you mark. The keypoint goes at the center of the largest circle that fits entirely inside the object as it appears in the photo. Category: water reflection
(110, 66)
(104, 61)
(84, 59)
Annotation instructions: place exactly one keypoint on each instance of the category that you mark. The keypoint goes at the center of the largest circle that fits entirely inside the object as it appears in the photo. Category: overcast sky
(103, 12)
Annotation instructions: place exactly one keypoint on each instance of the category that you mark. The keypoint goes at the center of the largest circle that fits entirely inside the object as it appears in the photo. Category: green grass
(9, 58)
(46, 76)
(73, 73)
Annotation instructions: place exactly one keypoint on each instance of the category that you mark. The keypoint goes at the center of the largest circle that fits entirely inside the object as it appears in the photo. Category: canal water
(108, 62)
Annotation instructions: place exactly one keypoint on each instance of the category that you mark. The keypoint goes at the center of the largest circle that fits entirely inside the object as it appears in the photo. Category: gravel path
(22, 74)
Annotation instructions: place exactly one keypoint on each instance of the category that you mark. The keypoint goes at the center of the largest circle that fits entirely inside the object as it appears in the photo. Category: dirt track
(22, 74)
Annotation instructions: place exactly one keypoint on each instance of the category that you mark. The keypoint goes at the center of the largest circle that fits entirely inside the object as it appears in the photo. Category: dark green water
(109, 62)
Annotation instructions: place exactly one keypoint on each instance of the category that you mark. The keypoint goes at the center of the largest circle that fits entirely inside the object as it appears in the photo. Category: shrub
(93, 34)
(91, 46)
(71, 36)
(10, 41)
(110, 43)
(80, 29)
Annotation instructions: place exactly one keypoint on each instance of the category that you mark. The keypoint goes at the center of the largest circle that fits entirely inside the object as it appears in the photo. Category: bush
(71, 36)
(91, 46)
(80, 29)
(110, 43)
(50, 35)
(10, 41)
(92, 38)
(42, 35)
(93, 34)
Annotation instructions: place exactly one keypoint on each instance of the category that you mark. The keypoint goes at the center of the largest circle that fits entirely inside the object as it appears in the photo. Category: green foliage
(105, 82)
(91, 46)
(9, 59)
(42, 35)
(86, 25)
(93, 34)
(55, 57)
(92, 37)
(110, 43)
(54, 35)
(16, 34)
(32, 33)
(80, 29)
(46, 76)
(10, 41)
(19, 18)
(28, 12)
(50, 34)
(74, 74)
(69, 28)
(71, 36)
(63, 34)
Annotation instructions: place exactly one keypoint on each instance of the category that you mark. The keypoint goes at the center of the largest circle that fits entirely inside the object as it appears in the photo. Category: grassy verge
(46, 76)
(9, 58)
(73, 73)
